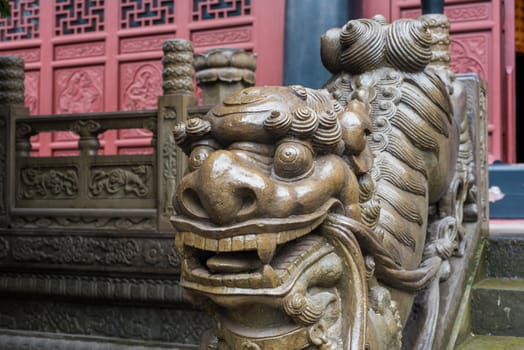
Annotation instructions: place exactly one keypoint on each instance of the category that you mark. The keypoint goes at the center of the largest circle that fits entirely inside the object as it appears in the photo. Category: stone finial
(178, 67)
(438, 26)
(221, 72)
(11, 80)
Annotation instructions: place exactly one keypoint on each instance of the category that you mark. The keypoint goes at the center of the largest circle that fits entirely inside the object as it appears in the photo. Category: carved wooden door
(482, 42)
(105, 55)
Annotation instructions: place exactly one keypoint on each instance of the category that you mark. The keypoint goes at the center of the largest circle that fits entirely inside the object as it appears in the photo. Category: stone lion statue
(310, 219)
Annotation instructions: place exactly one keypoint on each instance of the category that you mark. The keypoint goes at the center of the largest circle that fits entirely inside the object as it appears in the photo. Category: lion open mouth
(257, 254)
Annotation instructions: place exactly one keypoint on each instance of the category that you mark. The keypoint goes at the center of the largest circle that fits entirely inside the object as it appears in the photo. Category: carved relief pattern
(146, 13)
(121, 182)
(141, 84)
(79, 90)
(78, 16)
(216, 9)
(28, 55)
(178, 67)
(130, 45)
(105, 320)
(457, 13)
(141, 289)
(69, 250)
(469, 54)
(11, 80)
(464, 13)
(222, 36)
(31, 87)
(76, 250)
(169, 163)
(42, 183)
(79, 50)
(107, 223)
(23, 23)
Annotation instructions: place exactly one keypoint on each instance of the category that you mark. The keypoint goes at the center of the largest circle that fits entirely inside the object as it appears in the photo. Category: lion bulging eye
(293, 160)
(198, 155)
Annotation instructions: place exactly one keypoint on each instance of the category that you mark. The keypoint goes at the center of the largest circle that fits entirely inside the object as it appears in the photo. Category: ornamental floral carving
(469, 54)
(31, 87)
(154, 43)
(79, 90)
(79, 50)
(75, 250)
(222, 36)
(141, 85)
(121, 182)
(48, 183)
(108, 223)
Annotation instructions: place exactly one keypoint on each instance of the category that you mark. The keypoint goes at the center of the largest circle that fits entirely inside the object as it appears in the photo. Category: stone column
(177, 84)
(11, 105)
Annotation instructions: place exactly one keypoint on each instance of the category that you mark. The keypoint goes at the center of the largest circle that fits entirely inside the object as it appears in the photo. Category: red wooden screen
(105, 55)
(482, 42)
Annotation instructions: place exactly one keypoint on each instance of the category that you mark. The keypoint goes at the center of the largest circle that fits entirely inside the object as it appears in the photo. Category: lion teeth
(269, 277)
(266, 247)
(179, 245)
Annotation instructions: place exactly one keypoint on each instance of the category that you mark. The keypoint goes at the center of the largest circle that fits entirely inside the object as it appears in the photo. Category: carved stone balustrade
(94, 227)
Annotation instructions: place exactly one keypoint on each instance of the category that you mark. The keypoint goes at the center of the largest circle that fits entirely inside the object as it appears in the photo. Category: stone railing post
(178, 75)
(222, 72)
(88, 131)
(11, 106)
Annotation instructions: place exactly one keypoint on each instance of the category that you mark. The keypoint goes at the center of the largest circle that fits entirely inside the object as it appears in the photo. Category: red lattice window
(146, 13)
(23, 22)
(216, 9)
(79, 16)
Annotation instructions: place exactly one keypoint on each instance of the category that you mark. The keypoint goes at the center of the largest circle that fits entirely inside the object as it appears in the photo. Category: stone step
(483, 342)
(505, 256)
(497, 307)
(23, 340)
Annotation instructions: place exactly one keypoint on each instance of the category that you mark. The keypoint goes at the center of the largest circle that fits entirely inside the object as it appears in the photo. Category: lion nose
(223, 189)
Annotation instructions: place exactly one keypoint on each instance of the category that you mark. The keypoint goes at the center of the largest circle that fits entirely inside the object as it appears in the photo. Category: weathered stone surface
(492, 343)
(505, 258)
(21, 340)
(497, 306)
(98, 319)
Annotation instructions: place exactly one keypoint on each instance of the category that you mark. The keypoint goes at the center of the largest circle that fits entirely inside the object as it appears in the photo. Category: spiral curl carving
(408, 45)
(180, 134)
(196, 127)
(305, 122)
(328, 133)
(362, 42)
(278, 123)
(297, 306)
